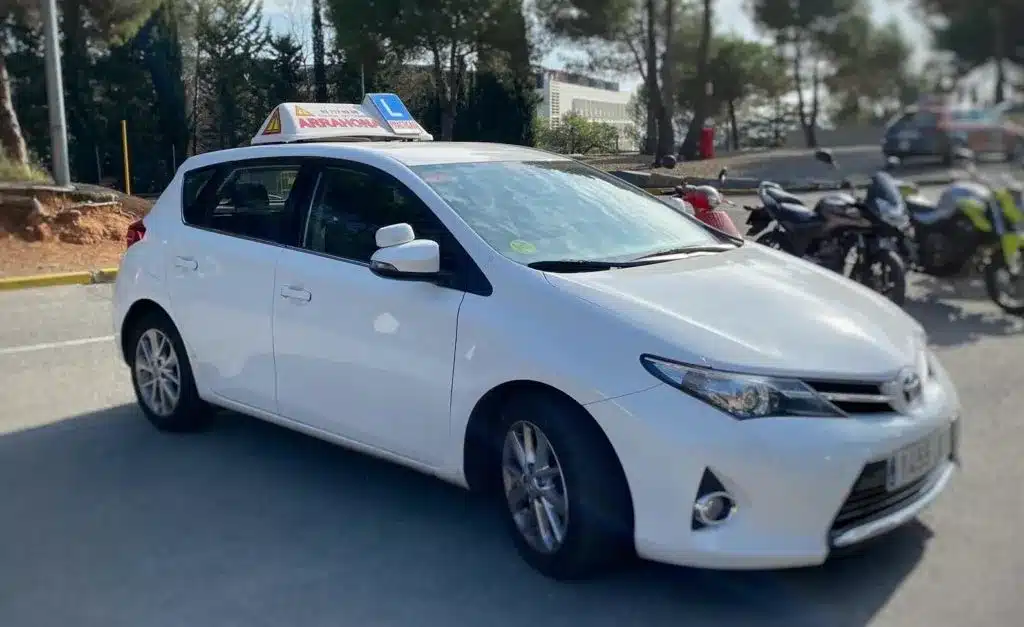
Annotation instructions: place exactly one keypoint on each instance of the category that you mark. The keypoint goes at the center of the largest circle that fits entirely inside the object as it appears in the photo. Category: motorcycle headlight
(893, 214)
(740, 395)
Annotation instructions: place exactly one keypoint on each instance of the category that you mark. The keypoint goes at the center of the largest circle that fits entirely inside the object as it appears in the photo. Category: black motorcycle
(838, 226)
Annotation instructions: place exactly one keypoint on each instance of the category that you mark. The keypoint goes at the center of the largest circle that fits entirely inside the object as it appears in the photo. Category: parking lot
(106, 522)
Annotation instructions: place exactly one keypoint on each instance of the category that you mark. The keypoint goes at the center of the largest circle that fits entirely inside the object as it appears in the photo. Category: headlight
(740, 395)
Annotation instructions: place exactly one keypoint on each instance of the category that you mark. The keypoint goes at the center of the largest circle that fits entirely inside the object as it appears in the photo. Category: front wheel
(885, 273)
(566, 500)
(1004, 288)
(775, 239)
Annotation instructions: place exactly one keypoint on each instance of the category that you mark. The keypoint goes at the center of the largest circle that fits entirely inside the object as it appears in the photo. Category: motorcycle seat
(781, 196)
(795, 212)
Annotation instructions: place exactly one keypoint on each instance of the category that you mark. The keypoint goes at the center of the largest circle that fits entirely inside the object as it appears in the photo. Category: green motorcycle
(976, 223)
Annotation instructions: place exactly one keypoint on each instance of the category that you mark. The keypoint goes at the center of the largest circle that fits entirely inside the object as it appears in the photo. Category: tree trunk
(999, 52)
(733, 126)
(666, 132)
(11, 141)
(319, 65)
(651, 84)
(798, 83)
(688, 149)
(812, 128)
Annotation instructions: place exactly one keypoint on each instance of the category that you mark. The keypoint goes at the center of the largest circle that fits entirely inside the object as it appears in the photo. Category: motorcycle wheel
(1004, 289)
(936, 252)
(891, 277)
(775, 239)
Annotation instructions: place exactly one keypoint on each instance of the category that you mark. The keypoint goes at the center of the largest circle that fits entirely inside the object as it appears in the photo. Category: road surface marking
(30, 348)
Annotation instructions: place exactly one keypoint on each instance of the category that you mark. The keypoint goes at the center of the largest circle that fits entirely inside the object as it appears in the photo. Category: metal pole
(55, 95)
(124, 151)
(362, 79)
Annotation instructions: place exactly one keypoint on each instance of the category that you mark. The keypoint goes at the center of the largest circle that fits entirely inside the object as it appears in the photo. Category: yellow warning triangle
(274, 124)
(302, 113)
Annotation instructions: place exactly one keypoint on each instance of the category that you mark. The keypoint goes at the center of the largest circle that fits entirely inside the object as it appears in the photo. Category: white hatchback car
(512, 321)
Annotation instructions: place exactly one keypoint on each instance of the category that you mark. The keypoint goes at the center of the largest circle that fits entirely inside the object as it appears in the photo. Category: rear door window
(916, 121)
(254, 199)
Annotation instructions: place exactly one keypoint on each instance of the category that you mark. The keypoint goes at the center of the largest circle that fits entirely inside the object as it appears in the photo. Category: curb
(84, 277)
(796, 187)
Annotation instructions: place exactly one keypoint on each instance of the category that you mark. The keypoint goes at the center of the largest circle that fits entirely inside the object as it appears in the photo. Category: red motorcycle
(706, 201)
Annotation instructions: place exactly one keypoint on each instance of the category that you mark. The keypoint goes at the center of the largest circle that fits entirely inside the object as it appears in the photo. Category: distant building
(596, 100)
(977, 88)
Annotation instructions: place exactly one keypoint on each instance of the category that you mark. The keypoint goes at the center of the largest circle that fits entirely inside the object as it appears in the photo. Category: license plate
(916, 460)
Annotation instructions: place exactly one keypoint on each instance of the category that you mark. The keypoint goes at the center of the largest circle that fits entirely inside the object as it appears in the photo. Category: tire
(897, 270)
(993, 270)
(775, 239)
(154, 334)
(597, 524)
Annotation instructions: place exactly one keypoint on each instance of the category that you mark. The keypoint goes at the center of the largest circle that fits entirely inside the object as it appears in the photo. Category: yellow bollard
(124, 151)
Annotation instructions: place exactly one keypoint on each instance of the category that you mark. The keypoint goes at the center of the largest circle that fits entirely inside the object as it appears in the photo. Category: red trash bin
(707, 142)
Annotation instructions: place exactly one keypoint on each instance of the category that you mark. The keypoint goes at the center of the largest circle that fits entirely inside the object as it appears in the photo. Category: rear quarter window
(192, 185)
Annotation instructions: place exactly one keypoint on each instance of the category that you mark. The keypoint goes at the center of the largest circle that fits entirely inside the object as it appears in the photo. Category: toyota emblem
(905, 390)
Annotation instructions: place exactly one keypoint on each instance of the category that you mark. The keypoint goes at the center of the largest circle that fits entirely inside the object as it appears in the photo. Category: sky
(293, 16)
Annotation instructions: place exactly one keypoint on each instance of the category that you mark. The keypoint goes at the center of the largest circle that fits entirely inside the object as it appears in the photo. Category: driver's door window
(351, 204)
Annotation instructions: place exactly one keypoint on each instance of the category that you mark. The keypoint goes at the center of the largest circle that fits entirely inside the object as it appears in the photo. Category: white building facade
(595, 100)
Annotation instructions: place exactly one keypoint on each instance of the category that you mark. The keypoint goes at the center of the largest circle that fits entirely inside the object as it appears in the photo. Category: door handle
(186, 263)
(296, 293)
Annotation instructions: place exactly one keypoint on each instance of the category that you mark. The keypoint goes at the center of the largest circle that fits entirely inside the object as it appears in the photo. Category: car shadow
(955, 312)
(108, 522)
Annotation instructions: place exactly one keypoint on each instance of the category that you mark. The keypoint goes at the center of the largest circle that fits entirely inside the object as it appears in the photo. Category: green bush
(576, 135)
(11, 172)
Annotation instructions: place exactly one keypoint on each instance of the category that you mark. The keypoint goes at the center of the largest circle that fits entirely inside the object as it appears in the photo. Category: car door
(359, 355)
(220, 269)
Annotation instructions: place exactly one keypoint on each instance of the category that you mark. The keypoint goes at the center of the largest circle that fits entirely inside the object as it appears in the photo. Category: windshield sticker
(522, 247)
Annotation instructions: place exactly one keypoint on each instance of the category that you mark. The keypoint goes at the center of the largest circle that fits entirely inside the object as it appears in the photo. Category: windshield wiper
(681, 250)
(573, 265)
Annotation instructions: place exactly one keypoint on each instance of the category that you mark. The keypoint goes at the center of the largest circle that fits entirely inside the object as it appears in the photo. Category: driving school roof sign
(381, 116)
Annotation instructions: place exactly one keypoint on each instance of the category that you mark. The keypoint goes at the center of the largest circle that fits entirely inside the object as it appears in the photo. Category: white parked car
(623, 377)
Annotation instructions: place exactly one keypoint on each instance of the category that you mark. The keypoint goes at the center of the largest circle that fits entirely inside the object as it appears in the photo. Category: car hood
(755, 310)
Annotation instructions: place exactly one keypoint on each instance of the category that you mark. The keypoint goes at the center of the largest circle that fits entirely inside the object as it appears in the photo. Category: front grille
(854, 398)
(869, 500)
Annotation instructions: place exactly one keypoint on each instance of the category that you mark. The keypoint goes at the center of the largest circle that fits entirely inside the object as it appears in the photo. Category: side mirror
(892, 162)
(419, 258)
(394, 235)
(825, 156)
(722, 174)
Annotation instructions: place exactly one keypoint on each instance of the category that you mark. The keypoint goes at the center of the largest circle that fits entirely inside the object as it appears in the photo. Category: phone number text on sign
(405, 125)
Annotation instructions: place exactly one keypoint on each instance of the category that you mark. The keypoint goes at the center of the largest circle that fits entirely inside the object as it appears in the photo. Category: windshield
(555, 210)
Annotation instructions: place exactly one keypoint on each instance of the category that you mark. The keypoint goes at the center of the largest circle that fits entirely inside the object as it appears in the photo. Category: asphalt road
(105, 522)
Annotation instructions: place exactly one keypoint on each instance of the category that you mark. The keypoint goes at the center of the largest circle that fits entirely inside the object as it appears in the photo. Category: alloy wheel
(535, 487)
(158, 372)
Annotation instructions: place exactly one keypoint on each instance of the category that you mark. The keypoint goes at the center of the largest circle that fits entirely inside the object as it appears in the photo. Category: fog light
(714, 509)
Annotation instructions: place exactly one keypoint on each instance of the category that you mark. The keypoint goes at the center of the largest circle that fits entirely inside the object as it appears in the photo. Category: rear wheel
(162, 376)
(1004, 288)
(566, 501)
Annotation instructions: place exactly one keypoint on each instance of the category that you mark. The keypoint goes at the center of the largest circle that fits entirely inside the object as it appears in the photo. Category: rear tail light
(136, 231)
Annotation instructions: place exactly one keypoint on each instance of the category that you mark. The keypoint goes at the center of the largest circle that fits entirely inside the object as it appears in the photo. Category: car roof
(409, 153)
(431, 153)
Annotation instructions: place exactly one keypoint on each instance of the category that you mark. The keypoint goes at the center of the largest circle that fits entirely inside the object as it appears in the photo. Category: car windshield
(561, 210)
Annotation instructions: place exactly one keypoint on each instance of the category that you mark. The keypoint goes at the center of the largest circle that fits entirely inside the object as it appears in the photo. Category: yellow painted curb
(83, 277)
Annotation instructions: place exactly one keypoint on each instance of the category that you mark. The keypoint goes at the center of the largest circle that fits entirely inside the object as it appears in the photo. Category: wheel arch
(484, 420)
(136, 312)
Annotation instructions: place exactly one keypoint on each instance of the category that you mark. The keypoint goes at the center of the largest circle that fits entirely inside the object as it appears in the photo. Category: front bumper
(789, 477)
